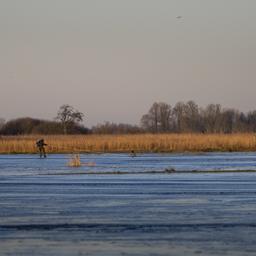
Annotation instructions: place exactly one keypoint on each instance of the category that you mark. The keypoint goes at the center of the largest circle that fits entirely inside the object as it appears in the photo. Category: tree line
(183, 117)
(188, 117)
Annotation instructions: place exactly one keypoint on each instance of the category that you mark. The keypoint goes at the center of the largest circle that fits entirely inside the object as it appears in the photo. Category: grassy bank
(126, 143)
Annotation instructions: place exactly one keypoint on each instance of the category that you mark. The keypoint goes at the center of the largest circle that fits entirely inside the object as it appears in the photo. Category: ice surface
(131, 214)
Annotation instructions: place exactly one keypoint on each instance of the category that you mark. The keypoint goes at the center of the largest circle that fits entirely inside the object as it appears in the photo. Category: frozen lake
(47, 208)
(57, 164)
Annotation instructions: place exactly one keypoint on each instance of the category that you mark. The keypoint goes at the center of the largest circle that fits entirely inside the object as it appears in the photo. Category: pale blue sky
(111, 59)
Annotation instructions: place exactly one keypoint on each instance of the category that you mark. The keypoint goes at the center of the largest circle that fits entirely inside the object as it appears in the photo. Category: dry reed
(74, 161)
(127, 143)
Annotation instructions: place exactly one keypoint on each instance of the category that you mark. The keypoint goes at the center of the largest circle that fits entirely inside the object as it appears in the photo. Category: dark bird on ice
(133, 154)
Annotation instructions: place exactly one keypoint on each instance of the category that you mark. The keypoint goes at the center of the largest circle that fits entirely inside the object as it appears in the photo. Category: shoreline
(126, 152)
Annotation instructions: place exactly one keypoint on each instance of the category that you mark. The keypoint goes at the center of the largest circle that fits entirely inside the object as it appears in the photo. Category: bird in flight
(178, 17)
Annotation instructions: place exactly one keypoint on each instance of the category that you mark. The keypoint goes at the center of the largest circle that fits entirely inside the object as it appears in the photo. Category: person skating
(40, 144)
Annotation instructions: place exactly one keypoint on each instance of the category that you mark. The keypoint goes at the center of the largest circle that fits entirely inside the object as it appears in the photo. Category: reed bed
(127, 143)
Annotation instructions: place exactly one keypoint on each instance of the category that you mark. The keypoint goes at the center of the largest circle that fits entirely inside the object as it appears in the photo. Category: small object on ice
(133, 154)
(75, 161)
(169, 170)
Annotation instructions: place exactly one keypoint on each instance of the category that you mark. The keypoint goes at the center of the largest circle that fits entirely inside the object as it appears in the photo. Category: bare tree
(165, 112)
(212, 118)
(251, 120)
(179, 117)
(150, 121)
(154, 115)
(145, 122)
(158, 118)
(2, 122)
(228, 121)
(68, 116)
(192, 116)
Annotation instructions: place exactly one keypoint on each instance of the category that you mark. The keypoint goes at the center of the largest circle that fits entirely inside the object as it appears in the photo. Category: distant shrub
(19, 126)
(112, 128)
(48, 127)
(27, 125)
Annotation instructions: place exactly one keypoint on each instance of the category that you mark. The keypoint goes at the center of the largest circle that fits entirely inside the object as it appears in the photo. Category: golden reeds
(127, 143)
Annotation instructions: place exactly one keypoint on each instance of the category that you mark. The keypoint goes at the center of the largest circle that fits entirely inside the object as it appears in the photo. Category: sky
(111, 59)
